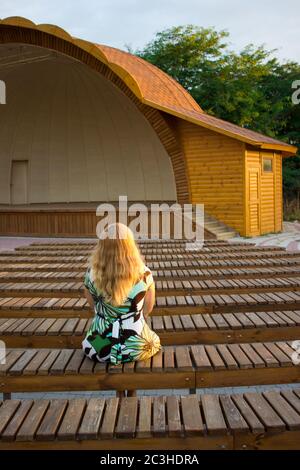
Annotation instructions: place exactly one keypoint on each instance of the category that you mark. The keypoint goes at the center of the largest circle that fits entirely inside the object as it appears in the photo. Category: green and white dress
(120, 334)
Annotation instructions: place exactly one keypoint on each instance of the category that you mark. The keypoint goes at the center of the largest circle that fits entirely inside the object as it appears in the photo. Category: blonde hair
(116, 263)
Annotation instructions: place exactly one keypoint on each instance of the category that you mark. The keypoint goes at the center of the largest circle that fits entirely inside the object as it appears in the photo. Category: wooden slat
(14, 424)
(213, 415)
(72, 419)
(144, 417)
(51, 421)
(30, 426)
(90, 424)
(173, 413)
(127, 420)
(191, 415)
(265, 412)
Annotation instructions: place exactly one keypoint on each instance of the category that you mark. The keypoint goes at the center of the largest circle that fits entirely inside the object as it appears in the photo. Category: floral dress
(120, 334)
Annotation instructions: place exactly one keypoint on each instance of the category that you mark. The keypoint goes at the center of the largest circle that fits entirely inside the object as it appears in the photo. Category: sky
(274, 23)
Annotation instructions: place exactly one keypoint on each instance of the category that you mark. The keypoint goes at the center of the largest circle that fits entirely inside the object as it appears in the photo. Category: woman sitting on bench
(120, 289)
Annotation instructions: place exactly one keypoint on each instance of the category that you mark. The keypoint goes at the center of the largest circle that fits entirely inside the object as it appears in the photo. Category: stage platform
(56, 219)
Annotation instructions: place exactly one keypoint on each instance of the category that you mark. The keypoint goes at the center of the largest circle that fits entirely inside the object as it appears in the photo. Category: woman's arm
(89, 298)
(149, 300)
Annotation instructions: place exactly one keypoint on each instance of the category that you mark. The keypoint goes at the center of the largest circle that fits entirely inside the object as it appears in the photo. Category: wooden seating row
(269, 420)
(176, 367)
(164, 305)
(177, 329)
(170, 287)
(170, 274)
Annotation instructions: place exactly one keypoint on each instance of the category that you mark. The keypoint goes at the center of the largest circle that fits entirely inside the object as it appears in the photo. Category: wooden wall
(63, 223)
(215, 167)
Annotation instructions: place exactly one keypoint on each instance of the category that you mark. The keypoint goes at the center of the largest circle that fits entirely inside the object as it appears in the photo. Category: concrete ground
(289, 238)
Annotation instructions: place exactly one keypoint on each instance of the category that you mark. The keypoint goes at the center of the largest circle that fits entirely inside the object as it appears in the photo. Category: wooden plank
(75, 362)
(200, 357)
(240, 356)
(234, 418)
(256, 360)
(51, 421)
(109, 419)
(249, 415)
(90, 424)
(173, 413)
(159, 416)
(265, 412)
(183, 358)
(144, 417)
(14, 424)
(126, 425)
(266, 355)
(169, 359)
(61, 362)
(71, 420)
(213, 414)
(30, 426)
(284, 409)
(227, 356)
(276, 352)
(191, 416)
(7, 411)
(10, 359)
(292, 398)
(215, 358)
(44, 327)
(19, 366)
(33, 366)
(157, 362)
(49, 361)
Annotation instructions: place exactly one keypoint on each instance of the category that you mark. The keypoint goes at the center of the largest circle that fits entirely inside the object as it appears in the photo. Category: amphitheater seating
(227, 315)
(251, 421)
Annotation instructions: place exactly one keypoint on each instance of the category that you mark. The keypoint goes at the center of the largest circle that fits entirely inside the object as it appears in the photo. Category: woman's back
(119, 332)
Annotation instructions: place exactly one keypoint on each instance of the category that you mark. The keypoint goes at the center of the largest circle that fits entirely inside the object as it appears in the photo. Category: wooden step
(268, 420)
(167, 274)
(213, 328)
(141, 243)
(177, 287)
(213, 265)
(150, 249)
(165, 305)
(150, 254)
(196, 366)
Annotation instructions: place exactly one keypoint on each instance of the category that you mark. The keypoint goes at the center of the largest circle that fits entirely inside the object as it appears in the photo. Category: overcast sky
(274, 23)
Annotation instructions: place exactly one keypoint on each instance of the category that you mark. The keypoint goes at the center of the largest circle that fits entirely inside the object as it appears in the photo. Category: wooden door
(254, 201)
(19, 182)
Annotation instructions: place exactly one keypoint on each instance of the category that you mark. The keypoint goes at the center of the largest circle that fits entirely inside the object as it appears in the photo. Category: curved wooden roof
(154, 87)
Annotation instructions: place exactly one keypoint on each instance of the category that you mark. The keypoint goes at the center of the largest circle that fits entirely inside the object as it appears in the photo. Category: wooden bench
(164, 267)
(189, 366)
(166, 274)
(213, 328)
(150, 255)
(85, 251)
(269, 420)
(169, 287)
(40, 306)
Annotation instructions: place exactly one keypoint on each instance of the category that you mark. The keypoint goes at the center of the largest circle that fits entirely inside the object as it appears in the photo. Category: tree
(250, 88)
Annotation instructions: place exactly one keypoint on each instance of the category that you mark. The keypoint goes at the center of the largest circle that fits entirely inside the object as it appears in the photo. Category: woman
(120, 289)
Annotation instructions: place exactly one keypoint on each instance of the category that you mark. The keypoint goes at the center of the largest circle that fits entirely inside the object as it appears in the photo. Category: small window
(268, 165)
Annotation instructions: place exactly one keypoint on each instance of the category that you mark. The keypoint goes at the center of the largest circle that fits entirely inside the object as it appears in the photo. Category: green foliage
(250, 88)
